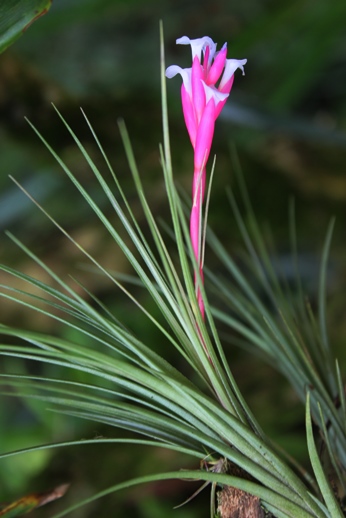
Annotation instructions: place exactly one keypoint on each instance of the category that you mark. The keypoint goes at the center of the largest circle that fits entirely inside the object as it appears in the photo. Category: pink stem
(198, 189)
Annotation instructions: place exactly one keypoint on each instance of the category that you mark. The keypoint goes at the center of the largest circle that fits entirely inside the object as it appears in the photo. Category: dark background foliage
(287, 120)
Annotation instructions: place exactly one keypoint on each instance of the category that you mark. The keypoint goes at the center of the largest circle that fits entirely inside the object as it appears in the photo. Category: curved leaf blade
(16, 16)
(326, 490)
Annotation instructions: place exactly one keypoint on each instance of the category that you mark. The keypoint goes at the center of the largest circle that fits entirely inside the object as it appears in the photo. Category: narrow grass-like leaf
(294, 344)
(286, 510)
(326, 490)
(322, 304)
(341, 393)
(327, 438)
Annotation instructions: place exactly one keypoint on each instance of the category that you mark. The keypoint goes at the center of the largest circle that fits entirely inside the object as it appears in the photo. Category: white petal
(184, 40)
(213, 93)
(198, 45)
(230, 67)
(185, 73)
(172, 71)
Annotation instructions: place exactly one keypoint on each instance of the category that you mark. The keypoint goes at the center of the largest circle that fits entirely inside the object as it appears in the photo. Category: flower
(199, 85)
(202, 102)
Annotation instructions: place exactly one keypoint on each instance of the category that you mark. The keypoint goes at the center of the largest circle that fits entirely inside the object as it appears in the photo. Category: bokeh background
(287, 120)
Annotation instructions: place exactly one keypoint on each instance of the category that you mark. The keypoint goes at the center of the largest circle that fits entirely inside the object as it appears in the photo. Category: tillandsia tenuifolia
(107, 375)
(202, 102)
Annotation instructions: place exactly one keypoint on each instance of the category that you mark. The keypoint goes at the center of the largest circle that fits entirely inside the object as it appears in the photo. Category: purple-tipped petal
(230, 67)
(185, 73)
(198, 45)
(213, 93)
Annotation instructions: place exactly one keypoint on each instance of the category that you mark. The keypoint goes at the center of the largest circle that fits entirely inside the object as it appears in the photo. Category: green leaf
(16, 16)
(326, 490)
(276, 501)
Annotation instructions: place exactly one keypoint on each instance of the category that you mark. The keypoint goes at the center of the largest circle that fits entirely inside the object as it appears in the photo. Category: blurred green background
(287, 119)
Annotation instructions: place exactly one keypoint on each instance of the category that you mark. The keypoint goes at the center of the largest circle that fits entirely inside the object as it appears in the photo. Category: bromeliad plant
(131, 387)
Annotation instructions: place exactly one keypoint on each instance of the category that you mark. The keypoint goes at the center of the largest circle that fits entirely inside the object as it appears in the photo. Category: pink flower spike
(217, 67)
(202, 103)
